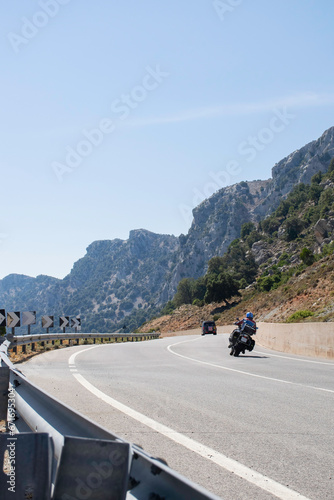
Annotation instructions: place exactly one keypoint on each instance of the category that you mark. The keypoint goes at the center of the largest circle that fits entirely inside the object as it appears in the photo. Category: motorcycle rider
(243, 324)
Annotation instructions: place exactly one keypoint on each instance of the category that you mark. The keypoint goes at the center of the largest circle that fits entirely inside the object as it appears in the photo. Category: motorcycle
(241, 337)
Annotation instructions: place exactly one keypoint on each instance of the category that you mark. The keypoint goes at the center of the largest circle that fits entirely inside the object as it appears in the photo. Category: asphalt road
(260, 426)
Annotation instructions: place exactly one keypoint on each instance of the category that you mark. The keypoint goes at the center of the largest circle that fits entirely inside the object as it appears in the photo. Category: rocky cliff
(119, 284)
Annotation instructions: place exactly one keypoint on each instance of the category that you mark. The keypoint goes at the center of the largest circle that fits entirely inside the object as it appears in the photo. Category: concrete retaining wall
(305, 339)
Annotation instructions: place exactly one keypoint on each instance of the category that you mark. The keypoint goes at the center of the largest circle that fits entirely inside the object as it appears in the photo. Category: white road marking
(71, 359)
(250, 475)
(249, 374)
(298, 359)
(303, 360)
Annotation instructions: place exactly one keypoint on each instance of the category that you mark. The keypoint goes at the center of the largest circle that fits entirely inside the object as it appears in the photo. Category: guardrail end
(93, 468)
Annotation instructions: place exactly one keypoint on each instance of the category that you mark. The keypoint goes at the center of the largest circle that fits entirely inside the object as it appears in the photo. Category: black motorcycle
(241, 338)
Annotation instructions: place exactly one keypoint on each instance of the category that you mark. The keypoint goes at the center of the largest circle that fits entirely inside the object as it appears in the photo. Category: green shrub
(331, 166)
(266, 283)
(246, 229)
(168, 308)
(328, 249)
(293, 227)
(306, 255)
(243, 283)
(283, 260)
(316, 179)
(299, 316)
(198, 302)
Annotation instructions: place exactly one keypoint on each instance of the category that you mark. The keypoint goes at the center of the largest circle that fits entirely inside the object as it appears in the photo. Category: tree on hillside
(316, 179)
(199, 288)
(237, 261)
(246, 229)
(184, 293)
(221, 287)
(293, 227)
(331, 166)
(215, 265)
(307, 256)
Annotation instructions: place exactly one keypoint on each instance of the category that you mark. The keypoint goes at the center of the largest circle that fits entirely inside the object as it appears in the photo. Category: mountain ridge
(121, 283)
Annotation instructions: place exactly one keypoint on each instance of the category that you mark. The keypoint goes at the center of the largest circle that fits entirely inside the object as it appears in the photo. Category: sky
(125, 115)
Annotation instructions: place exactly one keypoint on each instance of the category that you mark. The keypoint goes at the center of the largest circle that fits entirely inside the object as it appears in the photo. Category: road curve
(259, 426)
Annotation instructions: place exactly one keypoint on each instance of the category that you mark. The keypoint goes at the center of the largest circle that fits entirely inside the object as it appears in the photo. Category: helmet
(249, 315)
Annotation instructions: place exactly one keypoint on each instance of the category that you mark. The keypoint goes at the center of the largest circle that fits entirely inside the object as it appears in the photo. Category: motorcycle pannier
(249, 327)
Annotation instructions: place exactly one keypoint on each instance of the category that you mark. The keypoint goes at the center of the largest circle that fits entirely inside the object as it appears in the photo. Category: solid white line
(250, 475)
(229, 464)
(298, 359)
(249, 374)
(289, 357)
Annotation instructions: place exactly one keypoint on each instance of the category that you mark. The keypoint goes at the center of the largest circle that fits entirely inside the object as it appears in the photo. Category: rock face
(261, 252)
(298, 167)
(323, 230)
(217, 221)
(121, 283)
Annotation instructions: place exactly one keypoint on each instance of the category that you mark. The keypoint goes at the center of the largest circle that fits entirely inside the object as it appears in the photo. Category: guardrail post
(24, 349)
(33, 346)
(43, 343)
(61, 341)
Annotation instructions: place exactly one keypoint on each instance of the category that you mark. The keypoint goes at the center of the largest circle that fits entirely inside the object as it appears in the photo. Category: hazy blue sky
(124, 115)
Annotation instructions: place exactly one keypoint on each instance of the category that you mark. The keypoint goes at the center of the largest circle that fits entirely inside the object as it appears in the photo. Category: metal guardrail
(51, 452)
(31, 339)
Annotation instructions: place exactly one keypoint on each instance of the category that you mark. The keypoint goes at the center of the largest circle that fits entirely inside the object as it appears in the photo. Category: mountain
(283, 267)
(119, 284)
(114, 278)
(218, 220)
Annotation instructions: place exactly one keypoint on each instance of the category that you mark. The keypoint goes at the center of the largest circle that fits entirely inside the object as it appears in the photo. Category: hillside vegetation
(281, 268)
